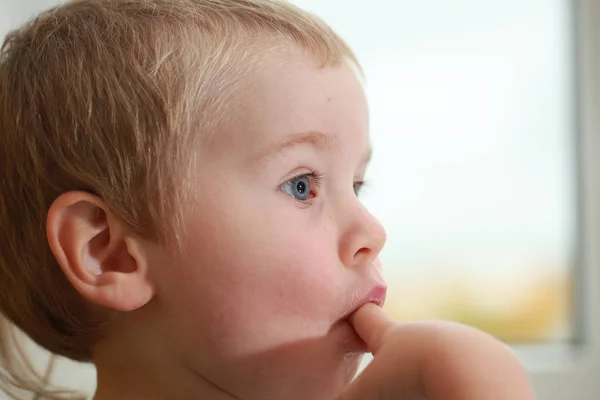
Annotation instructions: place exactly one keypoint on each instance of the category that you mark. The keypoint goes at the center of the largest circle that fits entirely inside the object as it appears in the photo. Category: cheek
(309, 276)
(288, 277)
(259, 269)
(274, 283)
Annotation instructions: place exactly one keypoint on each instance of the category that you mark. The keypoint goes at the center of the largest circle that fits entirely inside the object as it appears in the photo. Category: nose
(361, 239)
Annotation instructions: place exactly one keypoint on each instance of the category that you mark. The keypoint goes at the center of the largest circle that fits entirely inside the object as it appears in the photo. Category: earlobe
(101, 258)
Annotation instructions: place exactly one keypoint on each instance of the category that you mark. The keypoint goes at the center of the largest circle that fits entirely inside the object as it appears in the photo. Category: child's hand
(433, 361)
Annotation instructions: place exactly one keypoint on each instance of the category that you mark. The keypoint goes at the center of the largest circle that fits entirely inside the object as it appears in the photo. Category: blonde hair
(110, 97)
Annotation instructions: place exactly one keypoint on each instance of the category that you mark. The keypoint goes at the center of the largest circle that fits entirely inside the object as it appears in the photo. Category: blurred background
(483, 172)
(474, 175)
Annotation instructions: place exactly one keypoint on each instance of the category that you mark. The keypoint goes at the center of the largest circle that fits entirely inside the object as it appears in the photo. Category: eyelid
(316, 181)
(315, 176)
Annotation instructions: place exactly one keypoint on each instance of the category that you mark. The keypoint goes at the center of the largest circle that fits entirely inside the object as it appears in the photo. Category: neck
(110, 388)
(132, 370)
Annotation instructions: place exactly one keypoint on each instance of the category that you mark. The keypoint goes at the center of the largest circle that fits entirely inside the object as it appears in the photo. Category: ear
(103, 261)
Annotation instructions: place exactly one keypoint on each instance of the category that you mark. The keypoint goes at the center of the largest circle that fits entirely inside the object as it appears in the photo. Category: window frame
(574, 372)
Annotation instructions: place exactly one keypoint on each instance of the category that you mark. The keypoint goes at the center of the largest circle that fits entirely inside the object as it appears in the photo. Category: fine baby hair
(111, 97)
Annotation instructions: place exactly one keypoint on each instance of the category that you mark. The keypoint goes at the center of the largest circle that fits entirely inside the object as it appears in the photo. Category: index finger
(371, 323)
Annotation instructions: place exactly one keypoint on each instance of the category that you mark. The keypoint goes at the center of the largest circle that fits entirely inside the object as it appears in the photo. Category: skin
(262, 304)
(434, 360)
(256, 307)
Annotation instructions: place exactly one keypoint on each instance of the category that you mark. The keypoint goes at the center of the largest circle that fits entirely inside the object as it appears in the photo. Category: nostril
(362, 254)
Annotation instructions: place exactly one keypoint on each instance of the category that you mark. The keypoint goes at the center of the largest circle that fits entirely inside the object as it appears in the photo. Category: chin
(322, 381)
(310, 369)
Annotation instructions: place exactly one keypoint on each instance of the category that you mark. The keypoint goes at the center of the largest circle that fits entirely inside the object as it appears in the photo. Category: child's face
(280, 248)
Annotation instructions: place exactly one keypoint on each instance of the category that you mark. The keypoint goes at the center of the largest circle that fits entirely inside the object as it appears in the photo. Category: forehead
(291, 96)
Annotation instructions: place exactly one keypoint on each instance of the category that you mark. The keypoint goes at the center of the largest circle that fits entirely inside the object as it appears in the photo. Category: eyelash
(358, 186)
(316, 179)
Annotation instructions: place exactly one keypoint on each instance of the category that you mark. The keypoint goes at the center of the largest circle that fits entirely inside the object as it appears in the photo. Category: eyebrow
(318, 140)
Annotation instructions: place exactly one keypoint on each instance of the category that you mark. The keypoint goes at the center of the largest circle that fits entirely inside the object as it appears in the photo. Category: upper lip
(376, 294)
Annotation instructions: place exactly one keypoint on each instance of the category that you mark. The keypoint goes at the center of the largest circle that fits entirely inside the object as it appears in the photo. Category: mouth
(375, 295)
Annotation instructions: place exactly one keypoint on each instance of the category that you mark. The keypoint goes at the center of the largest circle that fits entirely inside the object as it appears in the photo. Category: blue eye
(299, 187)
(303, 187)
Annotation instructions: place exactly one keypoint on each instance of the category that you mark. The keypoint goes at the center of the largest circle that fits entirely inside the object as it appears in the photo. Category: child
(178, 206)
